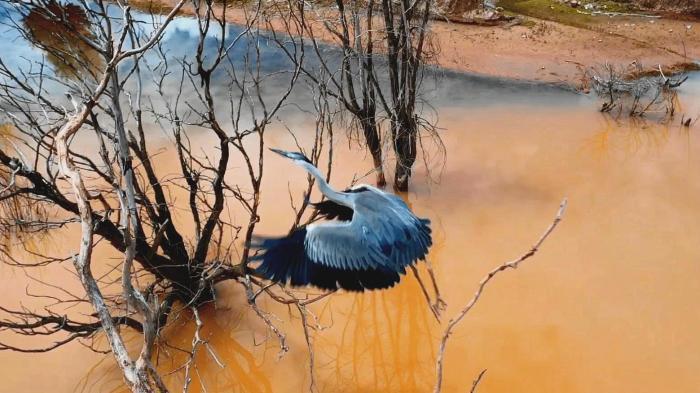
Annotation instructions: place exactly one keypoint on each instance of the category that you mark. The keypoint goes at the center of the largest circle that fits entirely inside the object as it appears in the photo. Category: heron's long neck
(325, 188)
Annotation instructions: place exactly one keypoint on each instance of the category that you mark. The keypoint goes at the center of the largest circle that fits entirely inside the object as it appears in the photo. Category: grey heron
(371, 236)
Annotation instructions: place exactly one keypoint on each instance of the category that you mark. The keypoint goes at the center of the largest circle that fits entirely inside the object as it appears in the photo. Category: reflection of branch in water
(439, 304)
(101, 376)
(482, 285)
(225, 365)
(383, 345)
(631, 137)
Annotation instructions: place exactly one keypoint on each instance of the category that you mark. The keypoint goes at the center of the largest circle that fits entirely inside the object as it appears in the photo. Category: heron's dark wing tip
(282, 257)
(353, 280)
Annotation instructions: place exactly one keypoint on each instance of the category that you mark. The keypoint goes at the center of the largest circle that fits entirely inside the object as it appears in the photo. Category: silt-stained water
(608, 305)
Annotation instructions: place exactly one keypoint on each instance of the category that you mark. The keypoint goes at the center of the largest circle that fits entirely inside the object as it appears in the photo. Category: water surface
(607, 306)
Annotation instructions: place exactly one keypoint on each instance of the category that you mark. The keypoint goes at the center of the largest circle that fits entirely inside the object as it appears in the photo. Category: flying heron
(369, 240)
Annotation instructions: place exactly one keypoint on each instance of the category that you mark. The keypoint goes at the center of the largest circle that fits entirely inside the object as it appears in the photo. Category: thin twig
(482, 285)
(251, 295)
(475, 384)
(309, 345)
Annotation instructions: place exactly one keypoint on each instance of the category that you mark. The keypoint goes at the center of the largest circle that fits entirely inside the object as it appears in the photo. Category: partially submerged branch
(452, 324)
(634, 92)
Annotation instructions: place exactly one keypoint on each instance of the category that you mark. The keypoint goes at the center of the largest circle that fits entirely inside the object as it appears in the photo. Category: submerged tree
(635, 93)
(406, 29)
(377, 79)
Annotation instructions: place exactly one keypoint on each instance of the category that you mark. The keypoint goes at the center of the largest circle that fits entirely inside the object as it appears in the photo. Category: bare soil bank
(549, 51)
(552, 52)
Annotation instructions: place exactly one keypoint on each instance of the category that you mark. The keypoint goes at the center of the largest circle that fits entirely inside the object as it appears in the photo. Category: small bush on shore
(688, 7)
(562, 12)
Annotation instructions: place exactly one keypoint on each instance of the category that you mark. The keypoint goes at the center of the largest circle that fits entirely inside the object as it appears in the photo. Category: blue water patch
(439, 88)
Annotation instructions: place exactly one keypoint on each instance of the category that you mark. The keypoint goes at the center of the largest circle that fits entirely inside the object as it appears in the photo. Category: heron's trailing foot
(438, 305)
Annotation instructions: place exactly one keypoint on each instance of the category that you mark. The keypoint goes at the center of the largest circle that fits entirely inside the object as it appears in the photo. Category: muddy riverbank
(540, 50)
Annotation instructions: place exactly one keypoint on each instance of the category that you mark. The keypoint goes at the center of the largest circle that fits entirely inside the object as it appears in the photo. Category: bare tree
(377, 78)
(354, 82)
(406, 24)
(23, 96)
(115, 194)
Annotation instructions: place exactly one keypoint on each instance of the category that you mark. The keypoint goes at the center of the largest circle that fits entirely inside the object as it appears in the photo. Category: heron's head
(297, 157)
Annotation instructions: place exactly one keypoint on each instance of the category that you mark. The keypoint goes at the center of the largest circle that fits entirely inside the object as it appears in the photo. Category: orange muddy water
(608, 306)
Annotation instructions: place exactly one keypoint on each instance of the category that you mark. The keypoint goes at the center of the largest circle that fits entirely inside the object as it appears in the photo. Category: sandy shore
(549, 51)
(553, 52)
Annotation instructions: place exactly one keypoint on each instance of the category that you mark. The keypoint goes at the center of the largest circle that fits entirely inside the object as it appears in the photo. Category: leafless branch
(452, 324)
(476, 382)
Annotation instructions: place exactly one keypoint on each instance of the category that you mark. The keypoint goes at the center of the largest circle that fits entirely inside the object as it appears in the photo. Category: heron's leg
(433, 308)
(439, 303)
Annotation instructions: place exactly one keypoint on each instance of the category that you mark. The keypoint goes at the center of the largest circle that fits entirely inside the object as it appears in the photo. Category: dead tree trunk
(404, 133)
(370, 131)
(406, 25)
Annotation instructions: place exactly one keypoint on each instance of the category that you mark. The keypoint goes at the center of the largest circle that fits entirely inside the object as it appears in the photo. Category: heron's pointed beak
(281, 152)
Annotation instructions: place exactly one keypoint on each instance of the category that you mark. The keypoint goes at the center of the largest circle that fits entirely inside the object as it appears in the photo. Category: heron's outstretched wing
(411, 236)
(347, 245)
(285, 260)
(383, 233)
(369, 251)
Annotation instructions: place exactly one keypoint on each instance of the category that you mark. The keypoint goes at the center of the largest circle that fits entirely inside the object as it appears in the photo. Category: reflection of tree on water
(633, 136)
(62, 31)
(385, 344)
(379, 341)
(223, 365)
(385, 340)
